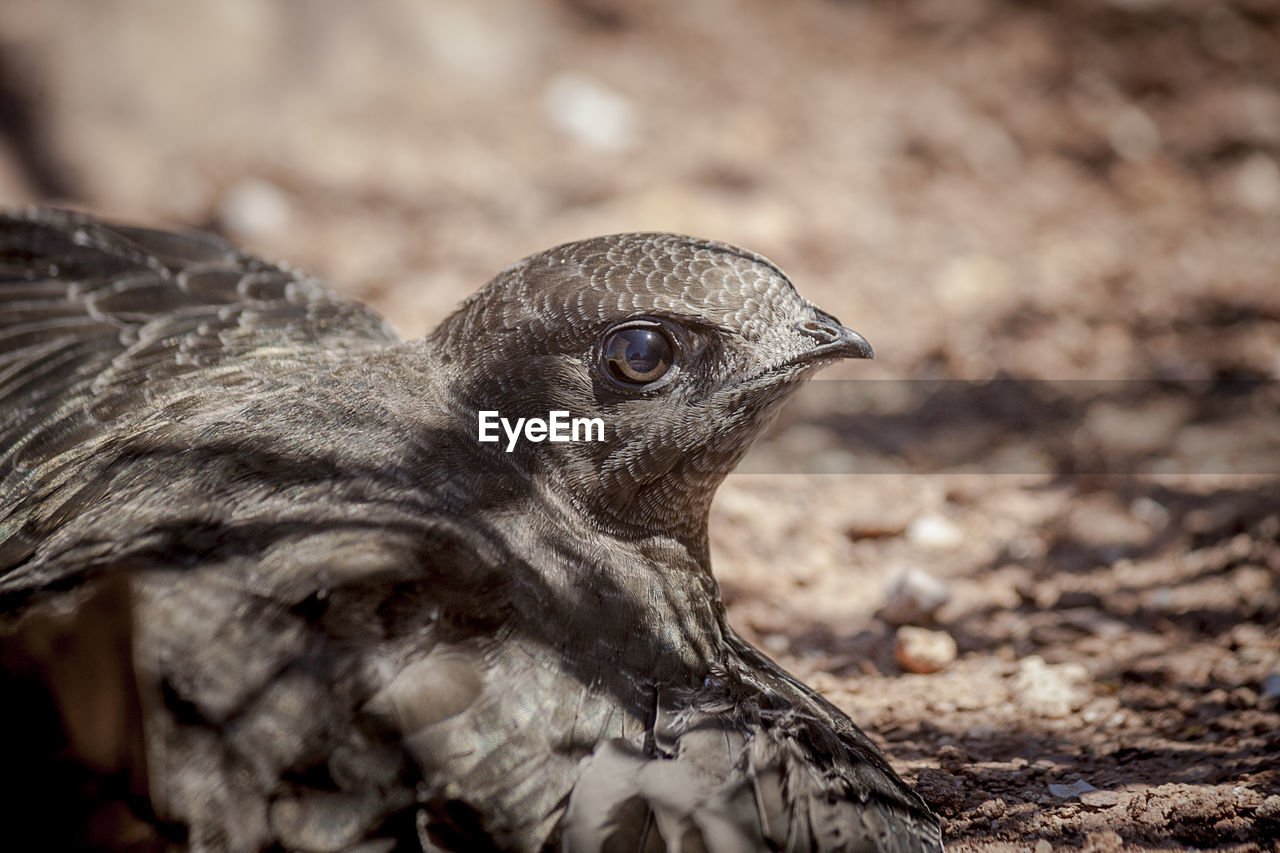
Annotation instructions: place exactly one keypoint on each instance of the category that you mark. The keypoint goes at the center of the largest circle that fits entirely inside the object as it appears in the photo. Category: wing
(86, 305)
(97, 320)
(756, 761)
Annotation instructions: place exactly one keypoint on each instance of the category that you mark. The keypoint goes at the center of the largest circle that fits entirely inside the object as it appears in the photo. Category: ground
(1038, 556)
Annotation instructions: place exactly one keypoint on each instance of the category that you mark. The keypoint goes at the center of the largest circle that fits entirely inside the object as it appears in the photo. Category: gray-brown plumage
(352, 621)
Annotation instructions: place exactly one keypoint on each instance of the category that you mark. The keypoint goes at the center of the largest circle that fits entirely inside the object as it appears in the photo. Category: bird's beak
(833, 339)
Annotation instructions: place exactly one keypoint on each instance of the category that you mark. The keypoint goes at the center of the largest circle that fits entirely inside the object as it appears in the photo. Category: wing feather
(99, 320)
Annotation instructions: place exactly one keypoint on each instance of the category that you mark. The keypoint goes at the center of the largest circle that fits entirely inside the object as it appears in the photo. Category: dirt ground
(1058, 223)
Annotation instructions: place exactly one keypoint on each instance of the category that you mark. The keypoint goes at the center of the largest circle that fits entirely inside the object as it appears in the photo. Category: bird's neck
(648, 601)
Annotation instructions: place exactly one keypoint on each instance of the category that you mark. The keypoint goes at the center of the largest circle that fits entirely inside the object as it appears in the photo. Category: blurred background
(1034, 191)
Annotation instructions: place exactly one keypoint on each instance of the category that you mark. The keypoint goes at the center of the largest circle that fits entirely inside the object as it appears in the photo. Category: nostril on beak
(833, 340)
(823, 333)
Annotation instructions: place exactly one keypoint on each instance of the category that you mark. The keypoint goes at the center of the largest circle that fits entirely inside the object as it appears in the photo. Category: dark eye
(638, 355)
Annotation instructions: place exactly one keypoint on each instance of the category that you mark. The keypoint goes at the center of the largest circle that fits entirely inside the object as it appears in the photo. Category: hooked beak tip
(858, 346)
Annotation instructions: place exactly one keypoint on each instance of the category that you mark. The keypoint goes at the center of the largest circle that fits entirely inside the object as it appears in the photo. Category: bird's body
(354, 622)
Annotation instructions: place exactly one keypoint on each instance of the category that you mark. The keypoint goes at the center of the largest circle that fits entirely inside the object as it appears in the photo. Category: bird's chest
(509, 749)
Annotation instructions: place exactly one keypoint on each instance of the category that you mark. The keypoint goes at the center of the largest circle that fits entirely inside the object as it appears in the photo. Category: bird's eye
(638, 355)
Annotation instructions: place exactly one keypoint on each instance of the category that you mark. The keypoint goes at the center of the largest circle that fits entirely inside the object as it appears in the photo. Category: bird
(337, 619)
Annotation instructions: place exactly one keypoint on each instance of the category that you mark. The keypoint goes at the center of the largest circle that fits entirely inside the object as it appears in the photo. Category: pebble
(932, 530)
(590, 112)
(253, 208)
(1074, 789)
(953, 759)
(1050, 690)
(913, 597)
(776, 643)
(922, 651)
(1256, 184)
(971, 283)
(1133, 134)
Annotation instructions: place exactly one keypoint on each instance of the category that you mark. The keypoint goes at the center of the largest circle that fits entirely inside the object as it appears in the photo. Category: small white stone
(934, 531)
(912, 597)
(776, 643)
(1133, 135)
(1257, 184)
(590, 112)
(1050, 691)
(253, 208)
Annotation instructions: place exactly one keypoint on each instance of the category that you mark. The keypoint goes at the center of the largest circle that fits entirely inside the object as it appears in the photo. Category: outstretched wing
(98, 319)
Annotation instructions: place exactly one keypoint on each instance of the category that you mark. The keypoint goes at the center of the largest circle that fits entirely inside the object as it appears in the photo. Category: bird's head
(683, 348)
